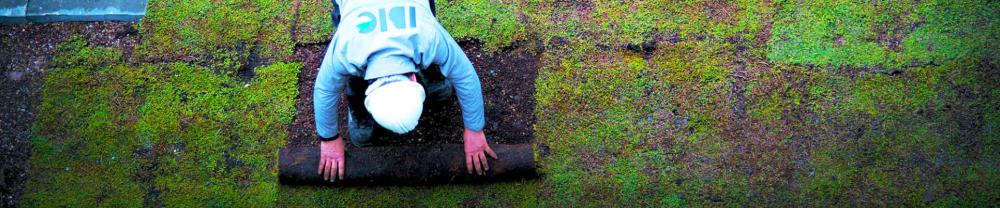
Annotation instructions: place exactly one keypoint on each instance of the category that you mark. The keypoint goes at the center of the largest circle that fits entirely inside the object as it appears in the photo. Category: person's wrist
(334, 137)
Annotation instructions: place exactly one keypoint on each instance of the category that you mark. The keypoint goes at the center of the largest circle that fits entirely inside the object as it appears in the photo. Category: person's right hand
(331, 159)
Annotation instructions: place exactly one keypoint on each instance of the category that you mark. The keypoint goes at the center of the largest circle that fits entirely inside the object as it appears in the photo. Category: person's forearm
(470, 98)
(326, 95)
(470, 95)
(325, 103)
(457, 67)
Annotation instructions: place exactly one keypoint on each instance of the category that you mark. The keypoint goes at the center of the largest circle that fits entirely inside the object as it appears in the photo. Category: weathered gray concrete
(16, 11)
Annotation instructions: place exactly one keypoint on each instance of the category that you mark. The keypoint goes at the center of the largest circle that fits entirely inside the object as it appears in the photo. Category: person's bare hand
(331, 159)
(476, 149)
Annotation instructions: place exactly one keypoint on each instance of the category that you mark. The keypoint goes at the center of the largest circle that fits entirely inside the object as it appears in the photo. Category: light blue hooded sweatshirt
(387, 37)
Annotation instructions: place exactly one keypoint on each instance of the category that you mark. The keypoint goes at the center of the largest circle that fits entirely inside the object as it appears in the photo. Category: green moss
(613, 119)
(314, 23)
(991, 127)
(117, 132)
(901, 109)
(882, 95)
(636, 22)
(517, 194)
(891, 34)
(830, 184)
(545, 21)
(881, 164)
(224, 34)
(905, 140)
(73, 135)
(223, 143)
(598, 110)
(493, 22)
(771, 94)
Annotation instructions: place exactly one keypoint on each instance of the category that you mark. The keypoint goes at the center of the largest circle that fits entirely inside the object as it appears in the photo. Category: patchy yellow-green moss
(723, 103)
(493, 22)
(175, 134)
(314, 23)
(516, 194)
(888, 33)
(225, 34)
(627, 130)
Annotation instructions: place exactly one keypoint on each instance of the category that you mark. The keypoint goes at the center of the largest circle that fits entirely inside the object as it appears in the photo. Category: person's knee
(437, 87)
(361, 137)
(361, 141)
(439, 91)
(360, 126)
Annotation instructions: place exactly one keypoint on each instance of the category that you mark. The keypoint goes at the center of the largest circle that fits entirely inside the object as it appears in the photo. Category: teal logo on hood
(397, 16)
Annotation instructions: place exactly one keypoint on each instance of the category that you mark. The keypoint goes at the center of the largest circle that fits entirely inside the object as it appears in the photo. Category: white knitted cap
(395, 102)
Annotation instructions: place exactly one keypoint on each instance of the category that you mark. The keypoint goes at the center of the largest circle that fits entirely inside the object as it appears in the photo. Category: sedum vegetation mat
(120, 135)
(638, 103)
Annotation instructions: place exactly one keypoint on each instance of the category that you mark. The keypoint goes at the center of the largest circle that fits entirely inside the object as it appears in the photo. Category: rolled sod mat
(407, 165)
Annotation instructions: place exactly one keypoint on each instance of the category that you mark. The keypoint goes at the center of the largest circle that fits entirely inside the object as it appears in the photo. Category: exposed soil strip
(508, 80)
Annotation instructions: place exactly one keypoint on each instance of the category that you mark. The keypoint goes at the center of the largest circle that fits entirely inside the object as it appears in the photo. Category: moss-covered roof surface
(638, 103)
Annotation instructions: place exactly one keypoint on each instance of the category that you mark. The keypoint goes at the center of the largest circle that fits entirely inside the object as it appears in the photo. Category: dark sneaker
(360, 130)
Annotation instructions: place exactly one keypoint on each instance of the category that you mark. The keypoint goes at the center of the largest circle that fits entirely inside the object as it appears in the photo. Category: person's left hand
(476, 149)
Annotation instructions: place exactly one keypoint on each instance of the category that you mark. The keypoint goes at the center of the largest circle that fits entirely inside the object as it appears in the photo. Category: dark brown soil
(508, 89)
(302, 131)
(26, 50)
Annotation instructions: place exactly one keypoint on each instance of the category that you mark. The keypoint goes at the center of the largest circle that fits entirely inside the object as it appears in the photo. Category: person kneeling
(381, 52)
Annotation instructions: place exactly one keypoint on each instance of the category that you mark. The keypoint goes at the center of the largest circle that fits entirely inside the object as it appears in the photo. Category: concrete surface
(21, 11)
